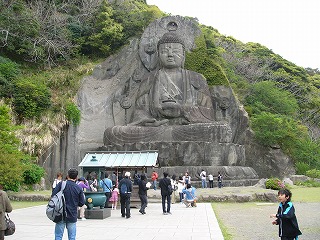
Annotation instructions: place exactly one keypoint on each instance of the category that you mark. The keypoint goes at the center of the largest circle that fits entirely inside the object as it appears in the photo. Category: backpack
(170, 189)
(136, 176)
(124, 188)
(56, 209)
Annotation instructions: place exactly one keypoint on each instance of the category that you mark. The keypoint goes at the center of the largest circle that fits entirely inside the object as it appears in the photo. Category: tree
(10, 156)
(30, 98)
(271, 129)
(108, 34)
(265, 96)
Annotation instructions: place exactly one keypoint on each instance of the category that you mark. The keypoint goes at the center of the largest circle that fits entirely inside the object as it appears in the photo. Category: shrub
(302, 168)
(10, 156)
(8, 68)
(274, 183)
(73, 114)
(313, 173)
(31, 98)
(308, 183)
(272, 99)
(33, 174)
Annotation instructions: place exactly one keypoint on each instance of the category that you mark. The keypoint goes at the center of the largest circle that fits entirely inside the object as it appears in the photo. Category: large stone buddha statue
(172, 104)
(172, 95)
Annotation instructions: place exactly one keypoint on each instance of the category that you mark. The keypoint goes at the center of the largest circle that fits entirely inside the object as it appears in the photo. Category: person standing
(74, 198)
(181, 186)
(285, 217)
(143, 193)
(154, 178)
(114, 197)
(106, 184)
(5, 207)
(83, 183)
(136, 177)
(165, 195)
(210, 178)
(125, 186)
(203, 176)
(186, 178)
(114, 179)
(219, 180)
(57, 180)
(174, 187)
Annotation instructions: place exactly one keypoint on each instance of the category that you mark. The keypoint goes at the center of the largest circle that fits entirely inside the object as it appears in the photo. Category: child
(286, 218)
(114, 197)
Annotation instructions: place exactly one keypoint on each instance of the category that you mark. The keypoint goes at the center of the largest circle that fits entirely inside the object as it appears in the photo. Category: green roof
(122, 159)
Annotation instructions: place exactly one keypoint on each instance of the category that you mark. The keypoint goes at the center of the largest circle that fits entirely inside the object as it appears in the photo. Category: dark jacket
(126, 181)
(5, 206)
(163, 184)
(142, 187)
(287, 221)
(74, 198)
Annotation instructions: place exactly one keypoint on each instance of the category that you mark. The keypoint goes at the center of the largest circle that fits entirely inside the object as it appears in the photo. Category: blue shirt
(105, 182)
(190, 193)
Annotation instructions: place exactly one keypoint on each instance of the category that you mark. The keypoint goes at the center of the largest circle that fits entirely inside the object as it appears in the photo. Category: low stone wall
(28, 197)
(224, 194)
(263, 197)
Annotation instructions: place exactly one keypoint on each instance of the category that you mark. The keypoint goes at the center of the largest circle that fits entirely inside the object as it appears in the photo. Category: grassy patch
(305, 194)
(24, 204)
(225, 232)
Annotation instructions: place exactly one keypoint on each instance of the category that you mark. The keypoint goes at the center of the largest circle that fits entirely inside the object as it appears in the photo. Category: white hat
(127, 174)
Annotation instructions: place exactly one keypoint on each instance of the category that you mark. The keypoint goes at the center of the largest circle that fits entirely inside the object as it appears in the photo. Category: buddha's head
(171, 50)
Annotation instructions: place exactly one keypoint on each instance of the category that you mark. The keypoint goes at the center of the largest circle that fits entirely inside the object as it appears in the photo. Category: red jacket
(154, 176)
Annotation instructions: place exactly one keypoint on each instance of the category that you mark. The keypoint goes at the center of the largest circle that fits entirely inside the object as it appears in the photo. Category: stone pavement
(184, 223)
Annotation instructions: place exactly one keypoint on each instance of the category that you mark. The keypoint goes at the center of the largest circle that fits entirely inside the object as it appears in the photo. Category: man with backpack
(125, 187)
(74, 198)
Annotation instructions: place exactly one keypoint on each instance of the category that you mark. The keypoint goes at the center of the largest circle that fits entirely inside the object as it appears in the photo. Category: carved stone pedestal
(97, 213)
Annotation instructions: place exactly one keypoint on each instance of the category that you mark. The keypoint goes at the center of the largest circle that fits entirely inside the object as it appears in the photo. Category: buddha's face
(171, 55)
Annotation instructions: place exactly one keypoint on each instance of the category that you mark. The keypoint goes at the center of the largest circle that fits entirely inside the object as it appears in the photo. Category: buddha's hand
(170, 109)
(157, 123)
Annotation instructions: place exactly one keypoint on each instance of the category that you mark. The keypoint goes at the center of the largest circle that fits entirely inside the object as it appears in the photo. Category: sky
(290, 28)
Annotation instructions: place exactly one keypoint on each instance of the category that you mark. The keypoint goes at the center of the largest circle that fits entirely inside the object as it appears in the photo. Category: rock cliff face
(107, 98)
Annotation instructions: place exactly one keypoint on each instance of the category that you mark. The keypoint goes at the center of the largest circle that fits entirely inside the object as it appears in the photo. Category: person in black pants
(125, 186)
(143, 193)
(163, 184)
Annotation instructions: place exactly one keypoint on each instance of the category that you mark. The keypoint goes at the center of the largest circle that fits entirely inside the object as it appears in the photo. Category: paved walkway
(184, 224)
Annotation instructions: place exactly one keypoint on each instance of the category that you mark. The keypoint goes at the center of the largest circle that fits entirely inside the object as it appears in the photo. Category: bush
(272, 99)
(313, 173)
(274, 183)
(302, 168)
(33, 174)
(10, 156)
(73, 114)
(31, 98)
(308, 183)
(8, 69)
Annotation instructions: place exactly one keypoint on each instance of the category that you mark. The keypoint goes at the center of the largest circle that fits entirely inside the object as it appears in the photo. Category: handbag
(11, 227)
